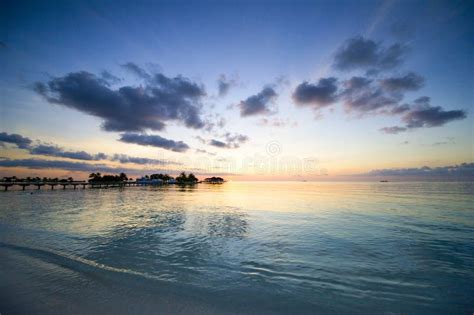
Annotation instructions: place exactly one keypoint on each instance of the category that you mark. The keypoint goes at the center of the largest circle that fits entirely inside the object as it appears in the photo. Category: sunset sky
(247, 90)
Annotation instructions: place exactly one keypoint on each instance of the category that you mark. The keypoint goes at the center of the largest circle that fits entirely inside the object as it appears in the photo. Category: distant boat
(384, 181)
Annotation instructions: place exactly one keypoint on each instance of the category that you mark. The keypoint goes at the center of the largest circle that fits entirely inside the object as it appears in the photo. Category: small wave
(74, 263)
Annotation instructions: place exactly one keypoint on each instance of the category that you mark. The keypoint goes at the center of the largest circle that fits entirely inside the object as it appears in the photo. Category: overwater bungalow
(214, 180)
(147, 181)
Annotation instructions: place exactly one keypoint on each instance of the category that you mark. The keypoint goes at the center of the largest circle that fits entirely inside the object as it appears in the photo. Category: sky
(249, 90)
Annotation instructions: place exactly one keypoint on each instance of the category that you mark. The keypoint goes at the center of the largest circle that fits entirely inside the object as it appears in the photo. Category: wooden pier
(65, 185)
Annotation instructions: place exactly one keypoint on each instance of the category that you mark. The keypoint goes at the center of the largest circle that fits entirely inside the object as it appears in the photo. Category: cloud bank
(56, 151)
(65, 165)
(464, 169)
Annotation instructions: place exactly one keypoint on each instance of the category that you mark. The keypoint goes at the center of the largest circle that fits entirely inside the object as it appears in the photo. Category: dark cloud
(53, 150)
(154, 141)
(317, 95)
(356, 83)
(422, 115)
(100, 156)
(232, 141)
(365, 96)
(224, 84)
(366, 54)
(362, 96)
(399, 109)
(409, 82)
(464, 169)
(424, 100)
(128, 108)
(393, 130)
(259, 103)
(123, 158)
(429, 116)
(217, 143)
(16, 139)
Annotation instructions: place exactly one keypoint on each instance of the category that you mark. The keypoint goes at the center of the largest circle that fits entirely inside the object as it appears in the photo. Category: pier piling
(23, 184)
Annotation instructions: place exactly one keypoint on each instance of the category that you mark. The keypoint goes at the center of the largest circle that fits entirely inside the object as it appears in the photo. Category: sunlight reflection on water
(397, 246)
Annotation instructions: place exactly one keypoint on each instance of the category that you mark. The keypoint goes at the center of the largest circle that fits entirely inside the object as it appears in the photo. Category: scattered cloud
(202, 151)
(214, 122)
(123, 158)
(282, 81)
(449, 140)
(363, 96)
(425, 116)
(137, 70)
(128, 108)
(54, 150)
(259, 103)
(399, 109)
(200, 139)
(408, 82)
(16, 139)
(217, 143)
(232, 141)
(317, 95)
(154, 141)
(359, 53)
(277, 122)
(224, 84)
(431, 116)
(423, 100)
(393, 130)
(110, 78)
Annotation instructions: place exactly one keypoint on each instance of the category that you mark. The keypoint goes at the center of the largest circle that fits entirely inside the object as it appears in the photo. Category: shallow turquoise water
(251, 247)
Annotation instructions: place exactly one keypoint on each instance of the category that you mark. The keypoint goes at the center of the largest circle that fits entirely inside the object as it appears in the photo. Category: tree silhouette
(192, 178)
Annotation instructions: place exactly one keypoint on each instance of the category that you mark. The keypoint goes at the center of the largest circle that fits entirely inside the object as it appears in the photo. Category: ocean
(240, 248)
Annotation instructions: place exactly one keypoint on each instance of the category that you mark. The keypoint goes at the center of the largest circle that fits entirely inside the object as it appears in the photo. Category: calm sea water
(240, 248)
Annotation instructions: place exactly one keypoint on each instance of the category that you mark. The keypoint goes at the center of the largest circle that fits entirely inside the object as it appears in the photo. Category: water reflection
(296, 243)
(227, 224)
